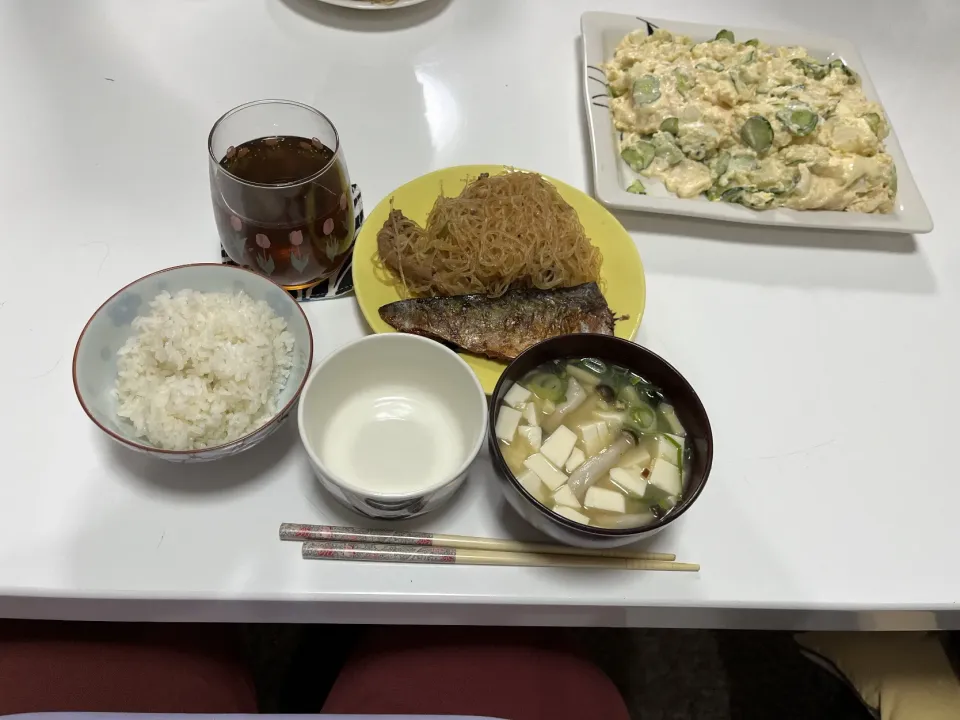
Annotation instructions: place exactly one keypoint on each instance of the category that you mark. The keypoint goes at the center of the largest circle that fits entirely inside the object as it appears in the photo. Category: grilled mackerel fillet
(503, 327)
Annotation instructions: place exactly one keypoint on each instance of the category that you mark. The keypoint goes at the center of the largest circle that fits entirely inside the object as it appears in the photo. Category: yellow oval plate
(621, 275)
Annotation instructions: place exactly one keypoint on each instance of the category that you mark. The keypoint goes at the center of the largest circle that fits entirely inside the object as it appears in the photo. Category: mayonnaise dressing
(821, 139)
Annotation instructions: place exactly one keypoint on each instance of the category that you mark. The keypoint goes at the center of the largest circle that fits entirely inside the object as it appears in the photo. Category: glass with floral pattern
(281, 192)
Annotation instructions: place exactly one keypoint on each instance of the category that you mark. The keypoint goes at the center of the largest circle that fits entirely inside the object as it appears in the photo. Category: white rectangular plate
(602, 32)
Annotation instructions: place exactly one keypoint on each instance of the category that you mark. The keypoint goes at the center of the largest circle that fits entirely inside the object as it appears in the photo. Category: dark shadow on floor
(662, 674)
(767, 678)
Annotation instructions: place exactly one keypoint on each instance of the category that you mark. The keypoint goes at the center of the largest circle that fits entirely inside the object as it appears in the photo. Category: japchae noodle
(502, 232)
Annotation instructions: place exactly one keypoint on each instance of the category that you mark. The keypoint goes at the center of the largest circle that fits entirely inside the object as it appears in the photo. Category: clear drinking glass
(281, 192)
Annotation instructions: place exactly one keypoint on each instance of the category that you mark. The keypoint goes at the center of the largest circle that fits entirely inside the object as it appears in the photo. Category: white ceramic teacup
(392, 423)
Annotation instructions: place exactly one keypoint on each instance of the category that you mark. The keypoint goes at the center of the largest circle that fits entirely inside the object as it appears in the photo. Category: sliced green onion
(752, 42)
(595, 365)
(643, 417)
(725, 35)
(629, 395)
(547, 387)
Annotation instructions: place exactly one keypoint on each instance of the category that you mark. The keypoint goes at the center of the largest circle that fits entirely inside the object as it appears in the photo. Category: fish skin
(503, 327)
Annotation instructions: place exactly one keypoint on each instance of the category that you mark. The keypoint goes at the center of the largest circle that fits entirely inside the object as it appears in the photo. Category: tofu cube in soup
(559, 445)
(613, 420)
(632, 483)
(516, 396)
(548, 474)
(507, 422)
(596, 436)
(571, 514)
(665, 476)
(598, 498)
(639, 457)
(530, 416)
(533, 436)
(532, 484)
(575, 460)
(669, 448)
(565, 496)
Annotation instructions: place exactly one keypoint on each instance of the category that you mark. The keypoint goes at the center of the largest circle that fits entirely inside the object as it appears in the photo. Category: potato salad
(749, 123)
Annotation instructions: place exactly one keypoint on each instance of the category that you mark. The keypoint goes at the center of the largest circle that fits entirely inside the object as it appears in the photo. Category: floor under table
(662, 674)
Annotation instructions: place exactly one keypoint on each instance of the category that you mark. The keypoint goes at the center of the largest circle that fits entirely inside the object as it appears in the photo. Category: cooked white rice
(202, 369)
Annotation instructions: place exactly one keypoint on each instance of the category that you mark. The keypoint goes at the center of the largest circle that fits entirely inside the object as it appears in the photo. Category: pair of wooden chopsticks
(330, 542)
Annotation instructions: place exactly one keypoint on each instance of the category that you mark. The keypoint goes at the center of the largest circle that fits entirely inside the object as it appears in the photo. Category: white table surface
(828, 362)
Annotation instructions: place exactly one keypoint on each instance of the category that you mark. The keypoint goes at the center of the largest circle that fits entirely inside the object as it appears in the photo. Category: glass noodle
(502, 232)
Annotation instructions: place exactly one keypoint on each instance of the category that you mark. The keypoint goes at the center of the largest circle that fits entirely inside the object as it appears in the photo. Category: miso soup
(594, 442)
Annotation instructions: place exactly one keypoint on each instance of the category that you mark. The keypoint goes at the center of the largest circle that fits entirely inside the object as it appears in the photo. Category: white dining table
(827, 361)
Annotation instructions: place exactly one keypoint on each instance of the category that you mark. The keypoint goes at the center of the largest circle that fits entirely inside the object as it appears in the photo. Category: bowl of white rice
(193, 363)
